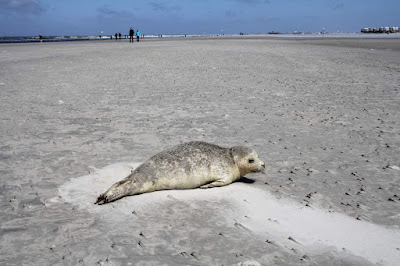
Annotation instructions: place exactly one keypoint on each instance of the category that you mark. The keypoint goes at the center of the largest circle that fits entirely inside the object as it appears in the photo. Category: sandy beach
(322, 113)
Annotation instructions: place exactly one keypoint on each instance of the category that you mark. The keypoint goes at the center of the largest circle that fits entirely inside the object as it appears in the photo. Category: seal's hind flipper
(101, 200)
(116, 191)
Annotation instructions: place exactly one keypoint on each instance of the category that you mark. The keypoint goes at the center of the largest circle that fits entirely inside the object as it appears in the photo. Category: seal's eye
(251, 161)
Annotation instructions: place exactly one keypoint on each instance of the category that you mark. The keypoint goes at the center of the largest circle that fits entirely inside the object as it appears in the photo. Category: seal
(187, 166)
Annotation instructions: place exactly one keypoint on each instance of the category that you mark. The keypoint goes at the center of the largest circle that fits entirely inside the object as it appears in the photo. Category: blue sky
(90, 17)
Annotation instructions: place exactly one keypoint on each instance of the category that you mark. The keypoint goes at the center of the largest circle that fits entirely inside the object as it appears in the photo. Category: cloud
(108, 12)
(24, 7)
(253, 2)
(159, 6)
(230, 13)
(335, 5)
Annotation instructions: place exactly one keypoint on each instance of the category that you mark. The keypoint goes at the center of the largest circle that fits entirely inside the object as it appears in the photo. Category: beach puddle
(281, 221)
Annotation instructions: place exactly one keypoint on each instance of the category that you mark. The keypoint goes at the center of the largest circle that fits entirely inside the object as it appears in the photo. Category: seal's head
(247, 160)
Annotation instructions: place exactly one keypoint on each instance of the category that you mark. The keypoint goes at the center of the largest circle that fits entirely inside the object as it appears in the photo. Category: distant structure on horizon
(380, 30)
(301, 33)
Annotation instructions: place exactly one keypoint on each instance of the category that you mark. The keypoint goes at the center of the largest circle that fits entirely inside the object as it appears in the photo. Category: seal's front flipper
(217, 183)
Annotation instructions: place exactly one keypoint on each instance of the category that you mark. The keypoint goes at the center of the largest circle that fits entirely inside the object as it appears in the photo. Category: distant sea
(27, 39)
(24, 39)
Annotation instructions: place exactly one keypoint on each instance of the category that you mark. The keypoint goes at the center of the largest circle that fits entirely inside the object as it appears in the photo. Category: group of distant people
(116, 35)
(132, 33)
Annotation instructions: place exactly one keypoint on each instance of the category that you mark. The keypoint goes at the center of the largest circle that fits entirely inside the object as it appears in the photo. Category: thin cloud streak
(336, 5)
(253, 2)
(163, 7)
(22, 7)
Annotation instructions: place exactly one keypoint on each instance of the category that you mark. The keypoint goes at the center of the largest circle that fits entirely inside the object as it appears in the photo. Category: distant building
(380, 30)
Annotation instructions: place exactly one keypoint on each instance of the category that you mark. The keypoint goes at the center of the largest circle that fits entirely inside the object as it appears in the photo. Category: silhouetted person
(116, 36)
(137, 35)
(119, 34)
(131, 32)
(41, 38)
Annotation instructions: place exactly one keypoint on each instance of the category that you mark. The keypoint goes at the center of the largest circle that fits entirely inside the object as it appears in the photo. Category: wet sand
(323, 115)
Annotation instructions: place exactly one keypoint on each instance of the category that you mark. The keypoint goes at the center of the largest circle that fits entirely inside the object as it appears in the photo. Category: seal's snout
(261, 169)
